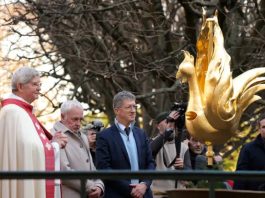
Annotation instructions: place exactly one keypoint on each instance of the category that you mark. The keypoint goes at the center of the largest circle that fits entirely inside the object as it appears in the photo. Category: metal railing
(211, 175)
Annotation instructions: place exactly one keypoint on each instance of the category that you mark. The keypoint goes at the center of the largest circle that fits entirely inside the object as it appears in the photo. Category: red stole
(45, 138)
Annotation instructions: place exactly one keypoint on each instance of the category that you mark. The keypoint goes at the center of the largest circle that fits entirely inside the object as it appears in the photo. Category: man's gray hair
(69, 104)
(23, 75)
(120, 97)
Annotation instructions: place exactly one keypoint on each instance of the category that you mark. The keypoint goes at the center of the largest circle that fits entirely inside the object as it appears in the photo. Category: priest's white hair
(69, 104)
(23, 75)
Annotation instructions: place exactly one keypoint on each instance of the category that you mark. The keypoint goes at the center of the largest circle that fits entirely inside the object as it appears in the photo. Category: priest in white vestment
(25, 145)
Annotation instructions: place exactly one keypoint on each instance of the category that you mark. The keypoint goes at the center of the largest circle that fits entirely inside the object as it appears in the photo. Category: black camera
(97, 125)
(181, 108)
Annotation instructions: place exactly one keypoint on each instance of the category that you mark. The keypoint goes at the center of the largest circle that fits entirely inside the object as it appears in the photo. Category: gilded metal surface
(209, 154)
(216, 100)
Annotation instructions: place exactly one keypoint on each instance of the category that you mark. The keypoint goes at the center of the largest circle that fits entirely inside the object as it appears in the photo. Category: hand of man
(179, 164)
(174, 115)
(171, 119)
(138, 190)
(60, 138)
(218, 159)
(92, 138)
(95, 192)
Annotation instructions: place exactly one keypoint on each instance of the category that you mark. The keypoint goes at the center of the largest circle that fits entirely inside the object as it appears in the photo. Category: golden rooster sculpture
(216, 100)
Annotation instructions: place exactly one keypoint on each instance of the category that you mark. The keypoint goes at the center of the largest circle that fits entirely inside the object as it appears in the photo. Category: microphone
(200, 162)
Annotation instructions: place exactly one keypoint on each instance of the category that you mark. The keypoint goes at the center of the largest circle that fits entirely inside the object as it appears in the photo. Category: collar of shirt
(59, 126)
(12, 95)
(121, 127)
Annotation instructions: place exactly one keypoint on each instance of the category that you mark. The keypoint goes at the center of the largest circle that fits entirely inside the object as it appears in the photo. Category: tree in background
(98, 48)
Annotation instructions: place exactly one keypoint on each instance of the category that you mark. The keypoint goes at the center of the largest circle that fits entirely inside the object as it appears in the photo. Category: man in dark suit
(252, 158)
(124, 146)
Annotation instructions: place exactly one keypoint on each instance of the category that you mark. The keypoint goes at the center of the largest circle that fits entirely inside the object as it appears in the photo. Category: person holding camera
(164, 150)
(91, 131)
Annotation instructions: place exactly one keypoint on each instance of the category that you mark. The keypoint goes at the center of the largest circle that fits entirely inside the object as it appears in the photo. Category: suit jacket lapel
(118, 139)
